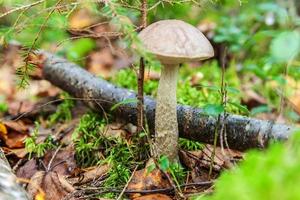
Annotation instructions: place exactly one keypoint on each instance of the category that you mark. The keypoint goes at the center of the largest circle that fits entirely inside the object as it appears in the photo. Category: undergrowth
(273, 174)
(35, 148)
(3, 105)
(190, 145)
(93, 147)
(63, 112)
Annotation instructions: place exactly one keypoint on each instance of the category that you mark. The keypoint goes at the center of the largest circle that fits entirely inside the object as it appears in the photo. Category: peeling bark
(241, 132)
(9, 188)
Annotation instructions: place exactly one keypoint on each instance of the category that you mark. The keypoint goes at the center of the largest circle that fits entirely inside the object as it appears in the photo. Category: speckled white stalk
(166, 126)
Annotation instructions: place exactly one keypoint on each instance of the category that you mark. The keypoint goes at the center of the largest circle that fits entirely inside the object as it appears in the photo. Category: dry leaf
(151, 75)
(27, 170)
(153, 197)
(115, 130)
(101, 62)
(3, 130)
(145, 180)
(251, 98)
(54, 186)
(90, 175)
(40, 196)
(199, 161)
(14, 133)
(20, 153)
(295, 100)
(81, 18)
(64, 161)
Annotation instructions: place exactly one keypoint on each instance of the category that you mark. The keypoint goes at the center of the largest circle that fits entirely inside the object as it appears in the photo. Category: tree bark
(9, 188)
(241, 132)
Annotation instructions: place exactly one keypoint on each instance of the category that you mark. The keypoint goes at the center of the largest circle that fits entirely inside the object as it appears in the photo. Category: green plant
(39, 149)
(63, 112)
(3, 105)
(190, 145)
(92, 147)
(87, 139)
(126, 78)
(78, 49)
(120, 156)
(272, 174)
(177, 172)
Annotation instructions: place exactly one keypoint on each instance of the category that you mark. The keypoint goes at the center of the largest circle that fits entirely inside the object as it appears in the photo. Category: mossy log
(241, 132)
(9, 188)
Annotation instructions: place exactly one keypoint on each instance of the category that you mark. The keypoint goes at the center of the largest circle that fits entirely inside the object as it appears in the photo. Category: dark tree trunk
(242, 132)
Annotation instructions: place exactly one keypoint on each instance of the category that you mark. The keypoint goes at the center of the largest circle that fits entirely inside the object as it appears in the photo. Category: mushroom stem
(166, 127)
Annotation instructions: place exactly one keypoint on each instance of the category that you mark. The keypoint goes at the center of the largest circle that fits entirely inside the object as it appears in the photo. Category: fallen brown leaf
(200, 161)
(13, 133)
(18, 126)
(52, 184)
(27, 170)
(90, 175)
(115, 130)
(151, 75)
(154, 197)
(145, 180)
(101, 62)
(295, 100)
(64, 161)
(81, 18)
(222, 158)
(20, 153)
(251, 98)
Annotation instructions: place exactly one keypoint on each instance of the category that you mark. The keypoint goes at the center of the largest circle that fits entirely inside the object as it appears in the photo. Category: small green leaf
(3, 104)
(213, 109)
(126, 101)
(232, 90)
(150, 168)
(260, 109)
(80, 48)
(242, 108)
(285, 46)
(164, 163)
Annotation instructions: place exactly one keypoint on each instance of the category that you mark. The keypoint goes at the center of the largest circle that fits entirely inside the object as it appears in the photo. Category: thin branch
(125, 187)
(50, 162)
(103, 190)
(25, 7)
(140, 95)
(55, 101)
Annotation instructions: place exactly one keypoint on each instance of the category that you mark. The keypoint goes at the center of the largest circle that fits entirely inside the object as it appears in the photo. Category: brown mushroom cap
(175, 42)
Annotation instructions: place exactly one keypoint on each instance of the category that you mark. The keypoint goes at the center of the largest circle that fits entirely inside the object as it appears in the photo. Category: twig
(140, 95)
(25, 7)
(219, 124)
(59, 100)
(121, 194)
(114, 190)
(54, 155)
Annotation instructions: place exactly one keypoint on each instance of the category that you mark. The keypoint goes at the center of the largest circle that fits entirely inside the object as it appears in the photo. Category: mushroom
(173, 42)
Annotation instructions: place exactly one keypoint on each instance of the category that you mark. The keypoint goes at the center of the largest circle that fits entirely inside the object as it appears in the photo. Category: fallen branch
(9, 188)
(242, 132)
